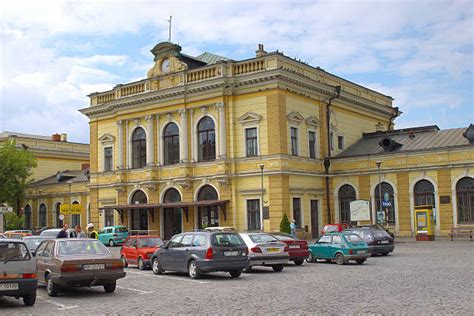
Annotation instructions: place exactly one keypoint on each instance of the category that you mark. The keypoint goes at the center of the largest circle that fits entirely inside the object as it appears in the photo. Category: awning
(184, 205)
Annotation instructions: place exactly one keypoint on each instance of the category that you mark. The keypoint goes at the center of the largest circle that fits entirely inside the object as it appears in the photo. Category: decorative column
(149, 141)
(158, 141)
(193, 137)
(183, 144)
(127, 145)
(119, 144)
(222, 130)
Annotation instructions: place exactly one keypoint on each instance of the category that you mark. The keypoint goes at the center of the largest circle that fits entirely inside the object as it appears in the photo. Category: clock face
(166, 65)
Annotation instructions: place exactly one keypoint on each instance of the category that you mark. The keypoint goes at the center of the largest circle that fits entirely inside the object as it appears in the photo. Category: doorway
(314, 218)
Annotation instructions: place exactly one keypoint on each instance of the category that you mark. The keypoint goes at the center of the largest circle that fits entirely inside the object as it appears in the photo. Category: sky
(55, 53)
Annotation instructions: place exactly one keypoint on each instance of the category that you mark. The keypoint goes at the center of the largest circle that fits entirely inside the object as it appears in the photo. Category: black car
(378, 240)
(201, 252)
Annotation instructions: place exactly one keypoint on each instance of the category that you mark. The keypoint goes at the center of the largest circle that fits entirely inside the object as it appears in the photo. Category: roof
(8, 134)
(414, 139)
(210, 58)
(65, 176)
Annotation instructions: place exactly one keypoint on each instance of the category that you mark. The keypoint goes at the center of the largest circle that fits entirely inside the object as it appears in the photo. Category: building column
(127, 145)
(158, 140)
(183, 144)
(222, 130)
(149, 141)
(119, 144)
(193, 137)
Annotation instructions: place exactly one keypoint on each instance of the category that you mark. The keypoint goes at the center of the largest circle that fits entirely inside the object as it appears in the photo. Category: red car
(297, 249)
(139, 249)
(333, 228)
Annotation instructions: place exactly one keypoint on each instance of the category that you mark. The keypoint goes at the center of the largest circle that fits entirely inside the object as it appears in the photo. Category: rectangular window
(108, 159)
(109, 217)
(312, 144)
(75, 220)
(297, 212)
(253, 214)
(294, 141)
(340, 142)
(251, 142)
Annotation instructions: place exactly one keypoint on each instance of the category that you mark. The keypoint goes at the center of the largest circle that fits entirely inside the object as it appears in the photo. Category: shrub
(13, 221)
(285, 225)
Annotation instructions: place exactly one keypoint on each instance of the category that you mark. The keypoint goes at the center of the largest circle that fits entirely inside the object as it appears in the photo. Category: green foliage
(13, 221)
(16, 167)
(285, 225)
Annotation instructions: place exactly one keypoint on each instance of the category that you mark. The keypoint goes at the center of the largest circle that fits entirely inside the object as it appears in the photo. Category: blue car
(339, 247)
(113, 235)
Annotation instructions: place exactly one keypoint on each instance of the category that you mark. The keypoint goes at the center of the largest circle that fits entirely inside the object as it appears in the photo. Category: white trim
(412, 201)
(454, 196)
(395, 198)
(132, 192)
(337, 211)
(162, 146)
(244, 130)
(129, 144)
(196, 135)
(196, 192)
(164, 190)
(103, 157)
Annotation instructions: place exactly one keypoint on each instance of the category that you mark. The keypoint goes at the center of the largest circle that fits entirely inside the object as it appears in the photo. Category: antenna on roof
(169, 27)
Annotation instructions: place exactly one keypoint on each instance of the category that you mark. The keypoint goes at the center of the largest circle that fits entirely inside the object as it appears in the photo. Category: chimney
(64, 137)
(411, 134)
(260, 51)
(56, 137)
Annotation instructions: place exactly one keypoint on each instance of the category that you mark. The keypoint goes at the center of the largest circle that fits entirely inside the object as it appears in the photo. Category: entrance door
(314, 219)
(172, 220)
(140, 219)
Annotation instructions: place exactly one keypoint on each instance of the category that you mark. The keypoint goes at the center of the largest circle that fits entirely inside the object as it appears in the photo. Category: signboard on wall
(360, 210)
(70, 209)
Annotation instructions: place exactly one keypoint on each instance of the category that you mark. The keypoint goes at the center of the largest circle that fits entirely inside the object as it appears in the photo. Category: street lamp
(379, 163)
(261, 191)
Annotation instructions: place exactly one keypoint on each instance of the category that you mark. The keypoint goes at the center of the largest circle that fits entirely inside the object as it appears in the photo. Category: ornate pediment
(295, 118)
(249, 117)
(107, 139)
(313, 121)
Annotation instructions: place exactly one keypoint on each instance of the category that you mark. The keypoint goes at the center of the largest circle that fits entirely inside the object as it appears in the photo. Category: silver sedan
(265, 250)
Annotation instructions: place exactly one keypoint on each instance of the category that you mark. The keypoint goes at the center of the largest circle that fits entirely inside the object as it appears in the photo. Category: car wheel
(141, 264)
(193, 270)
(278, 267)
(30, 299)
(110, 287)
(111, 243)
(248, 269)
(51, 288)
(235, 273)
(360, 261)
(156, 267)
(384, 253)
(298, 262)
(339, 258)
(124, 261)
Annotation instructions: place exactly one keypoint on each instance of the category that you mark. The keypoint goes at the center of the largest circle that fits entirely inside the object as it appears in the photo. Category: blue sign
(386, 197)
(386, 204)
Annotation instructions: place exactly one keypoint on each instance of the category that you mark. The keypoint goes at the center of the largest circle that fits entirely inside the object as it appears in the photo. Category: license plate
(231, 253)
(93, 266)
(384, 242)
(361, 251)
(8, 286)
(294, 246)
(273, 249)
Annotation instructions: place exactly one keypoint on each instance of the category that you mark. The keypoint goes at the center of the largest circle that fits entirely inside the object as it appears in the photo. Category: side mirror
(33, 253)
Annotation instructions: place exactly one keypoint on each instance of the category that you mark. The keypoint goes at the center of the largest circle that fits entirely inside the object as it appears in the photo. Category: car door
(322, 247)
(126, 248)
(132, 251)
(335, 246)
(46, 258)
(40, 268)
(167, 253)
(182, 254)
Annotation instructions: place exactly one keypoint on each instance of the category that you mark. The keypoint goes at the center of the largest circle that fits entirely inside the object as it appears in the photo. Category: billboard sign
(360, 210)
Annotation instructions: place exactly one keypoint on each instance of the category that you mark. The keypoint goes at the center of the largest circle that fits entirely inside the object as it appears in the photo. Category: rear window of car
(353, 238)
(13, 251)
(330, 228)
(121, 230)
(280, 237)
(325, 240)
(227, 240)
(149, 242)
(380, 233)
(262, 238)
(81, 247)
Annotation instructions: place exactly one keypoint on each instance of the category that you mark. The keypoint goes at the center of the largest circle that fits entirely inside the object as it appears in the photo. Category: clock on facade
(166, 65)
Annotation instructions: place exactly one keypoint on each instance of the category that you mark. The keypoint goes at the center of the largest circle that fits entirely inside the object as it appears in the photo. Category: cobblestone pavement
(418, 278)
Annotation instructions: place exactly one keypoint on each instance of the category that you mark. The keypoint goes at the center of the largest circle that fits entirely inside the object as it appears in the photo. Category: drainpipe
(327, 160)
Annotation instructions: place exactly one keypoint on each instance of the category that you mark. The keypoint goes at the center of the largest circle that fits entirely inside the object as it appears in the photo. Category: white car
(265, 250)
(18, 271)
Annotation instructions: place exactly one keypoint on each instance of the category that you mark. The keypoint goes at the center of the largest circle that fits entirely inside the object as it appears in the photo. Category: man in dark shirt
(63, 232)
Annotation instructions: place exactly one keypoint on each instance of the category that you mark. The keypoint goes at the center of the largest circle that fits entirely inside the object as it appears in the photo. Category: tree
(16, 168)
(13, 221)
(285, 225)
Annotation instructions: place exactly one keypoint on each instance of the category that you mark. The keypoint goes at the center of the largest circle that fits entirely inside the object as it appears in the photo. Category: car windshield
(81, 247)
(13, 251)
(121, 230)
(262, 238)
(353, 238)
(380, 233)
(227, 240)
(149, 242)
(51, 233)
(330, 228)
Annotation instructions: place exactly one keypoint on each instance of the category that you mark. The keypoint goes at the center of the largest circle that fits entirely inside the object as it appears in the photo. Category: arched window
(75, 218)
(346, 195)
(388, 201)
(206, 139)
(138, 148)
(171, 144)
(424, 193)
(139, 217)
(42, 222)
(27, 216)
(172, 216)
(59, 223)
(208, 216)
(465, 200)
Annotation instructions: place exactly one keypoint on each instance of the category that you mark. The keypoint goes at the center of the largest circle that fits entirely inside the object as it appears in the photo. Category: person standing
(63, 232)
(92, 233)
(293, 228)
(79, 232)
